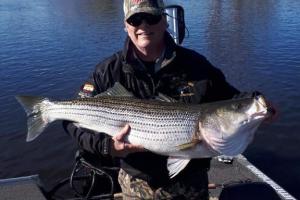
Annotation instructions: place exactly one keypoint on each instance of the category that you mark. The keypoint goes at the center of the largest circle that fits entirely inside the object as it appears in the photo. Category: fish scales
(122, 112)
(131, 103)
(149, 122)
(133, 109)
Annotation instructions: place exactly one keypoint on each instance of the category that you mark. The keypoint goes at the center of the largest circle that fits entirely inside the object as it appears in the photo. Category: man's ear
(125, 26)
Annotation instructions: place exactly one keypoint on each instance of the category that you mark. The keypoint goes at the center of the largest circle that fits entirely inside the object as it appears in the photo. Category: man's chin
(145, 43)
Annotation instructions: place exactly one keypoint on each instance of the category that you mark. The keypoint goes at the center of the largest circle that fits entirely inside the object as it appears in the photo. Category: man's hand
(120, 148)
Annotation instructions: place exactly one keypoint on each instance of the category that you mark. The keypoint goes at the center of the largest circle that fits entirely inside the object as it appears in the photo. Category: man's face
(142, 31)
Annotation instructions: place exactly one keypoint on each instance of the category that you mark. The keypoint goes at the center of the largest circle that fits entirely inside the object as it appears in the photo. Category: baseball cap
(154, 7)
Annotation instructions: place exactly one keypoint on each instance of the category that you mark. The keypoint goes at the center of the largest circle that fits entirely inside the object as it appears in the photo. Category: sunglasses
(137, 19)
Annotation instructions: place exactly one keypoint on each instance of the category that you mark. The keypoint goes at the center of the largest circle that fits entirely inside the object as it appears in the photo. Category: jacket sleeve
(95, 143)
(90, 141)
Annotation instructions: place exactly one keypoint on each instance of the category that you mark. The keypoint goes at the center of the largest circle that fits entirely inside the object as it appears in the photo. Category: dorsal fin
(117, 90)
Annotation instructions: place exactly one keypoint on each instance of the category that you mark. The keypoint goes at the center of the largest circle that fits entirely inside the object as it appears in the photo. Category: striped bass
(174, 129)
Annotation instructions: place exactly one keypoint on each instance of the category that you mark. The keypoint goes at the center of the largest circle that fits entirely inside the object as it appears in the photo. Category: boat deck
(244, 180)
(237, 180)
(25, 188)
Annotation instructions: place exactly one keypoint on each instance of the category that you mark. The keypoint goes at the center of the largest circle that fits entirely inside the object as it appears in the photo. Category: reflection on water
(49, 47)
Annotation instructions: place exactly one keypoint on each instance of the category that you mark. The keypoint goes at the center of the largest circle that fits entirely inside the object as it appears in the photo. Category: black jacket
(184, 75)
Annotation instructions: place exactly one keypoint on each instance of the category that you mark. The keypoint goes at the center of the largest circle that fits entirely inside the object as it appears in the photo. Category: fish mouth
(269, 109)
(261, 100)
(259, 115)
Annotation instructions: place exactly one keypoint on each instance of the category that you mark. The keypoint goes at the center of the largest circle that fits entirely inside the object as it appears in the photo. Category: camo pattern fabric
(135, 189)
(154, 7)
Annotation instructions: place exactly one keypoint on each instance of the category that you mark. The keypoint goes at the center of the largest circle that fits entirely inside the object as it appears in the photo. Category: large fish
(177, 130)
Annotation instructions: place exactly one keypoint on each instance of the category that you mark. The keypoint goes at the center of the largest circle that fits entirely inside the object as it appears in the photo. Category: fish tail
(36, 121)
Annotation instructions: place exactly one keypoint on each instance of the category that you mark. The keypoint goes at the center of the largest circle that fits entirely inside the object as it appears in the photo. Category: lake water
(49, 47)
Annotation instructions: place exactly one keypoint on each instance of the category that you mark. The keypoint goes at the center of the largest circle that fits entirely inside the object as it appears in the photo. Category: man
(151, 63)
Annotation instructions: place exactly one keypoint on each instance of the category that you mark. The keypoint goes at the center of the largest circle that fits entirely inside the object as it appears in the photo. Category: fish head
(228, 127)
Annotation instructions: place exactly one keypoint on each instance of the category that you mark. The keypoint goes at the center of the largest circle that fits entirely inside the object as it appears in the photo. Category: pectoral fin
(188, 145)
(176, 165)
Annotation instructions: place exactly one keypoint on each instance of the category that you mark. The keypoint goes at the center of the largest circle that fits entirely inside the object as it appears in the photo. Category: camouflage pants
(193, 187)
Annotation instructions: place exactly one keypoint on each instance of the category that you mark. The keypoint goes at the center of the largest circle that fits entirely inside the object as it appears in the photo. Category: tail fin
(35, 122)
